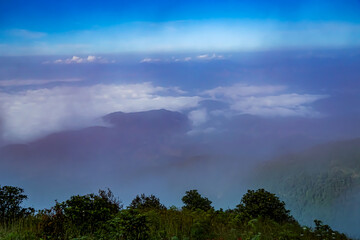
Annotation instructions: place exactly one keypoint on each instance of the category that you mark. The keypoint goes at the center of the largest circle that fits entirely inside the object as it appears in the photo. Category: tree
(193, 200)
(88, 212)
(261, 203)
(10, 201)
(144, 202)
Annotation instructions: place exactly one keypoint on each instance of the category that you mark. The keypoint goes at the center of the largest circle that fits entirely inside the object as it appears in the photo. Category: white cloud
(33, 113)
(265, 100)
(76, 59)
(209, 57)
(241, 90)
(29, 82)
(198, 117)
(91, 58)
(280, 105)
(185, 59)
(150, 60)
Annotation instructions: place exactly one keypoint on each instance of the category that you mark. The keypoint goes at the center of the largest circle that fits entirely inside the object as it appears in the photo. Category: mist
(166, 123)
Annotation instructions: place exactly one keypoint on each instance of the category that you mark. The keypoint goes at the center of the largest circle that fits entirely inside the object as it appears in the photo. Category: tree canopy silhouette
(261, 203)
(144, 202)
(193, 200)
(10, 203)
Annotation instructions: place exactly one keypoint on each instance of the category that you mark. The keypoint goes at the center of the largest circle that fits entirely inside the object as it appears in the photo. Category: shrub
(52, 223)
(127, 224)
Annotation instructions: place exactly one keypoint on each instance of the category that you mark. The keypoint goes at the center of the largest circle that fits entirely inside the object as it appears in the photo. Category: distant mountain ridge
(159, 121)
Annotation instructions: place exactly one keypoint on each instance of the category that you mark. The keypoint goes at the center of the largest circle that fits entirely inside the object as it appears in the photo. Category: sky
(93, 27)
(282, 75)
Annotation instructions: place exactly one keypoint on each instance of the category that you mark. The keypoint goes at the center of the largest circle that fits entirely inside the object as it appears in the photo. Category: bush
(127, 224)
(52, 223)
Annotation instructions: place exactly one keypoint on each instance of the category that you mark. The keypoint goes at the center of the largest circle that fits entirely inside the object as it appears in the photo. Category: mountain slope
(322, 182)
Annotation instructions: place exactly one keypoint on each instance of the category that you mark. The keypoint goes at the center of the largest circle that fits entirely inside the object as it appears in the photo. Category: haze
(161, 97)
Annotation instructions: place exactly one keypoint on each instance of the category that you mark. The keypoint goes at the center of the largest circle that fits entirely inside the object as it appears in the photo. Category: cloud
(198, 117)
(30, 82)
(150, 60)
(33, 113)
(76, 59)
(265, 100)
(279, 105)
(28, 114)
(184, 59)
(209, 57)
(240, 90)
(23, 33)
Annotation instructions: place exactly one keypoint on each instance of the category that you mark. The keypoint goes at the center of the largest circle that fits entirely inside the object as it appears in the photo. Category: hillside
(322, 182)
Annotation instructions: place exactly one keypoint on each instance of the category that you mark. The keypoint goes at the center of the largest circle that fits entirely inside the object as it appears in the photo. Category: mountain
(157, 122)
(322, 182)
(127, 139)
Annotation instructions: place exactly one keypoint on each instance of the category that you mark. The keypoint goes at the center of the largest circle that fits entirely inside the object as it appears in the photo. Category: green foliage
(261, 203)
(91, 217)
(127, 224)
(193, 200)
(325, 232)
(90, 211)
(10, 203)
(144, 202)
(79, 215)
(52, 223)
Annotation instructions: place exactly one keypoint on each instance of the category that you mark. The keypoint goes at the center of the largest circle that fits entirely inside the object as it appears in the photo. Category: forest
(259, 215)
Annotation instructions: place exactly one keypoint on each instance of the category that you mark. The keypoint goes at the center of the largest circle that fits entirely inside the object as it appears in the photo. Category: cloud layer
(33, 113)
(29, 114)
(202, 57)
(265, 100)
(76, 59)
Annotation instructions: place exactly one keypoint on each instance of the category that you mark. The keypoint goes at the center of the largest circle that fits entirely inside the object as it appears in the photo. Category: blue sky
(93, 27)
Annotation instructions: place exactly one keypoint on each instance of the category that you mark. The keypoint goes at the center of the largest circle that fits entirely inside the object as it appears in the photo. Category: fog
(166, 123)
